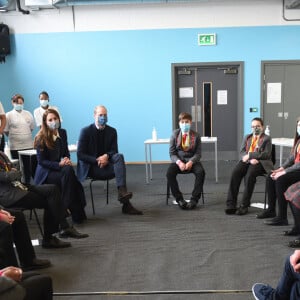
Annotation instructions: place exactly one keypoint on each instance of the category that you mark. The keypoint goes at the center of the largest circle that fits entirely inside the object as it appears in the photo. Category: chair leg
(168, 194)
(202, 194)
(265, 204)
(92, 198)
(38, 221)
(107, 185)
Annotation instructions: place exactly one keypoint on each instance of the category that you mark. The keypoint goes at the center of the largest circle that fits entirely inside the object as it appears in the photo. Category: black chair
(91, 189)
(273, 158)
(33, 210)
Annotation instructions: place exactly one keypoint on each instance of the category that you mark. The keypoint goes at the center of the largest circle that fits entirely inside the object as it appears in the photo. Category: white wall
(202, 14)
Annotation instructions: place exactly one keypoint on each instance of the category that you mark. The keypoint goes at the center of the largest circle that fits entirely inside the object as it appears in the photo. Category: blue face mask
(44, 103)
(102, 120)
(185, 127)
(18, 107)
(53, 125)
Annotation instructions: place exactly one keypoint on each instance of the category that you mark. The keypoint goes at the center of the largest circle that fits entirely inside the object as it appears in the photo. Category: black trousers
(72, 193)
(249, 173)
(276, 189)
(47, 197)
(17, 233)
(197, 170)
(37, 286)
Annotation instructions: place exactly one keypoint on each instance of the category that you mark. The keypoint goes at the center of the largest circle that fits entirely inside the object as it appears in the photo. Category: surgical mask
(298, 130)
(102, 120)
(256, 130)
(53, 125)
(185, 127)
(18, 107)
(44, 103)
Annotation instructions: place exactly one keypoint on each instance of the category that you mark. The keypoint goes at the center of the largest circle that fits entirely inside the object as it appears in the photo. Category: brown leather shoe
(128, 209)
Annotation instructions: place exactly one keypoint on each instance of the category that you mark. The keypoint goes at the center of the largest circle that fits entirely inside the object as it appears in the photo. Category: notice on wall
(274, 92)
(186, 92)
(222, 97)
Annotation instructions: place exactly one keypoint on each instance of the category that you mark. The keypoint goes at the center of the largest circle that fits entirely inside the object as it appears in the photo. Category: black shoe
(192, 204)
(294, 244)
(292, 232)
(242, 211)
(182, 203)
(54, 242)
(266, 214)
(277, 221)
(230, 211)
(36, 264)
(128, 209)
(72, 233)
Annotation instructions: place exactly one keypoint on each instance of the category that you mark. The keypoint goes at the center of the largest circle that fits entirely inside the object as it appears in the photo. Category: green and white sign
(207, 39)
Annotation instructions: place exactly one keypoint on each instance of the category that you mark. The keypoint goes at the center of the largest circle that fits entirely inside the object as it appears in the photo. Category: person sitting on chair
(55, 167)
(14, 230)
(185, 153)
(98, 157)
(16, 285)
(13, 194)
(280, 180)
(288, 287)
(292, 195)
(256, 160)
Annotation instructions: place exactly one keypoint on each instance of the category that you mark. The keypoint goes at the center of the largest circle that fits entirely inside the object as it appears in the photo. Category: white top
(2, 112)
(38, 114)
(19, 126)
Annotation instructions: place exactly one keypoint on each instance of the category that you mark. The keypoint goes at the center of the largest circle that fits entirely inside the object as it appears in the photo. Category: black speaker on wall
(4, 40)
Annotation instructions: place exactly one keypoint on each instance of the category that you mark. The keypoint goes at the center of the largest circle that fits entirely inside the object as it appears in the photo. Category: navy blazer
(45, 161)
(87, 148)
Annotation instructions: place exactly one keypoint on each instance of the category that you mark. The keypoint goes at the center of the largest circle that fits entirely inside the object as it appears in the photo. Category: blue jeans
(288, 287)
(115, 168)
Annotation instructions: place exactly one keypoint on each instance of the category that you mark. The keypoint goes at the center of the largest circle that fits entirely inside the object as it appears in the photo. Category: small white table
(148, 161)
(282, 142)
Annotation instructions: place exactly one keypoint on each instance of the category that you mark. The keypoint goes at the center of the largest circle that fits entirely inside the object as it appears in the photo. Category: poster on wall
(186, 92)
(222, 97)
(274, 92)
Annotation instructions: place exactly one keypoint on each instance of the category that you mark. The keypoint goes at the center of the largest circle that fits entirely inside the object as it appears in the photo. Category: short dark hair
(259, 120)
(44, 93)
(15, 98)
(184, 115)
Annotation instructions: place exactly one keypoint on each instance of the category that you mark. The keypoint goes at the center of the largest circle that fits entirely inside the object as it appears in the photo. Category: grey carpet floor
(168, 249)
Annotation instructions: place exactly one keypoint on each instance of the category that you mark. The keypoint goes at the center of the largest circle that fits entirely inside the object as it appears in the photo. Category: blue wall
(130, 73)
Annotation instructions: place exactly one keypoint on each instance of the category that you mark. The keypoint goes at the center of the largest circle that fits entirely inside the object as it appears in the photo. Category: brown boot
(128, 209)
(124, 196)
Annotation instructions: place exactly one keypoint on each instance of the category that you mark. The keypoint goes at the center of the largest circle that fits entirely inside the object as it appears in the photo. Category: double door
(212, 94)
(280, 97)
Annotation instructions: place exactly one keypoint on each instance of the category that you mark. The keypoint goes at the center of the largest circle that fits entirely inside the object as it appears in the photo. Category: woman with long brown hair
(55, 166)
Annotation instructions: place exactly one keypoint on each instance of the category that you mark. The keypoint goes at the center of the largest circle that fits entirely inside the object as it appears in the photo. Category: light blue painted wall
(130, 73)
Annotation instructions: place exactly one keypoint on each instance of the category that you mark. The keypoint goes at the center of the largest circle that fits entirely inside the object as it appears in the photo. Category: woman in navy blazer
(55, 166)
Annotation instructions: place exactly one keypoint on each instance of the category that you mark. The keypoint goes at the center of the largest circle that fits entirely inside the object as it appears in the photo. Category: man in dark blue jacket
(98, 157)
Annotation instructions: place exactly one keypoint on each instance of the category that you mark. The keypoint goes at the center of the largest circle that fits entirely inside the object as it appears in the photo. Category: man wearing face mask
(185, 153)
(256, 154)
(44, 105)
(98, 157)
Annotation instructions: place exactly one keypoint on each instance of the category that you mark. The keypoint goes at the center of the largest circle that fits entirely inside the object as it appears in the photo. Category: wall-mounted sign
(207, 39)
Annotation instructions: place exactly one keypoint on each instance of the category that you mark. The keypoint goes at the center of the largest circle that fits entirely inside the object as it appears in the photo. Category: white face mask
(298, 130)
(44, 103)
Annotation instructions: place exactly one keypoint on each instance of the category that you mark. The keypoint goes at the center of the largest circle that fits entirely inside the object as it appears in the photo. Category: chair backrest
(273, 154)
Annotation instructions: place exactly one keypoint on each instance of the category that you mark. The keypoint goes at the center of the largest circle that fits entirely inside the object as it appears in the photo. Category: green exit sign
(206, 39)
